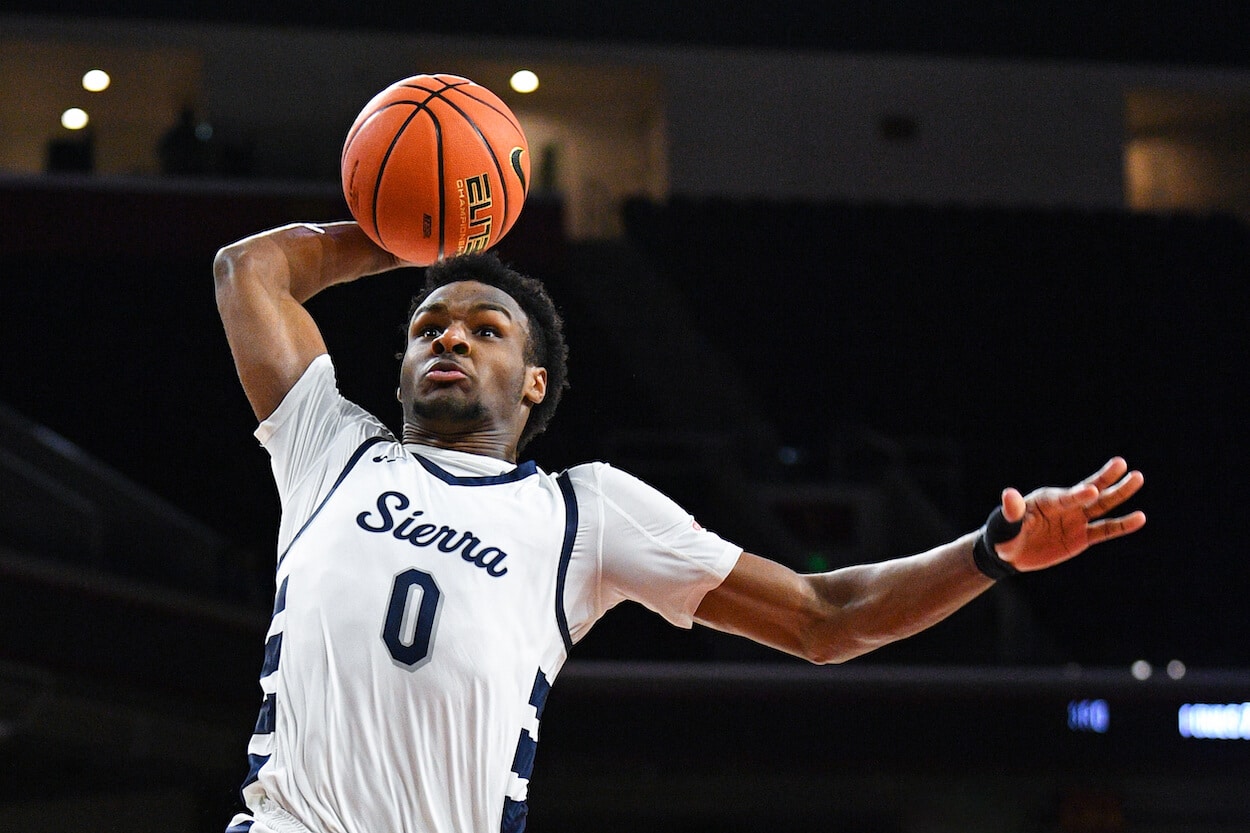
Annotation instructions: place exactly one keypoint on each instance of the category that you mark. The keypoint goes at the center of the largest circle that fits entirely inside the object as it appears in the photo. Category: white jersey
(426, 600)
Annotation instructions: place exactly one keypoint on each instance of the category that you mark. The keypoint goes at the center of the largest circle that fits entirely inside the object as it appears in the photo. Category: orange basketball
(435, 166)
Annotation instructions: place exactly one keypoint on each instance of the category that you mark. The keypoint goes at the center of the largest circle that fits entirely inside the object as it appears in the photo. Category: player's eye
(428, 331)
(489, 331)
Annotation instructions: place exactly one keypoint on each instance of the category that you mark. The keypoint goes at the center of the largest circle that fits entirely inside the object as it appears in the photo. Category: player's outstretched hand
(1060, 523)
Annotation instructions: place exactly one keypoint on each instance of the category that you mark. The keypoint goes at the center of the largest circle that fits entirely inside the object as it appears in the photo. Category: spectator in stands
(186, 148)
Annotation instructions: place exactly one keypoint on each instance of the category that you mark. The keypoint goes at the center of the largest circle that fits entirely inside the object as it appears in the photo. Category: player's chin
(447, 405)
(429, 393)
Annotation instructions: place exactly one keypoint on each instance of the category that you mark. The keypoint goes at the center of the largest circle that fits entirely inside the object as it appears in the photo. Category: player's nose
(453, 339)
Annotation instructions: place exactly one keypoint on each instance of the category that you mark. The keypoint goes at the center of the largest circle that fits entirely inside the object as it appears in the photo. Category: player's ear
(399, 394)
(535, 385)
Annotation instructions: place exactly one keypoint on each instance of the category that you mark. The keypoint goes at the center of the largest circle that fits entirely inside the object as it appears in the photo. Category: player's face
(464, 370)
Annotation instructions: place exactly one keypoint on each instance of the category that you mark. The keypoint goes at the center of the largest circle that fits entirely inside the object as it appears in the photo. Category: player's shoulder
(603, 478)
(314, 414)
(586, 472)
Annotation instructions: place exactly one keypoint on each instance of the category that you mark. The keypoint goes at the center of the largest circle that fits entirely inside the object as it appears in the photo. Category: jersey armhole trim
(351, 464)
(566, 554)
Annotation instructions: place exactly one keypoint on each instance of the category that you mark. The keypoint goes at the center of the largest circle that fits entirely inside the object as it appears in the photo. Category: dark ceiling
(1202, 33)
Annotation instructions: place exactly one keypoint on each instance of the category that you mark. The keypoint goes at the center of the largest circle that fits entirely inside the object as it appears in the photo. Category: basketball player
(429, 587)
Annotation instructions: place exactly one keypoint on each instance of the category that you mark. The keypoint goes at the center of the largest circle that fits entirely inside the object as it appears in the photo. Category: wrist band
(996, 529)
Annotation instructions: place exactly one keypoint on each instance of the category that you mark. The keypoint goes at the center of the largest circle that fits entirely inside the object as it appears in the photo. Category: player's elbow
(839, 622)
(238, 268)
(826, 655)
(830, 636)
(834, 650)
(226, 270)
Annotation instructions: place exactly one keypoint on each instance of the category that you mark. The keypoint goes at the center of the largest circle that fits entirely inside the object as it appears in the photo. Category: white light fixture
(524, 81)
(96, 81)
(75, 118)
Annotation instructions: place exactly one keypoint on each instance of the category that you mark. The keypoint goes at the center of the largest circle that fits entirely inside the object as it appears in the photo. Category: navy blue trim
(241, 827)
(279, 602)
(355, 458)
(514, 813)
(267, 719)
(255, 762)
(523, 760)
(538, 694)
(566, 553)
(273, 655)
(521, 472)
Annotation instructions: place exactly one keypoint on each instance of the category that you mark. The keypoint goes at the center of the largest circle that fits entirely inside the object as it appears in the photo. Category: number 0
(411, 617)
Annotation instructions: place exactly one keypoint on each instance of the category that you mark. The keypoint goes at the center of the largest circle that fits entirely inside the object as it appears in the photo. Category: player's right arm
(262, 283)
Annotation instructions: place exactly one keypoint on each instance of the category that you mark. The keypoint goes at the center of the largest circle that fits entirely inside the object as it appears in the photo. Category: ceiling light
(74, 118)
(524, 81)
(96, 80)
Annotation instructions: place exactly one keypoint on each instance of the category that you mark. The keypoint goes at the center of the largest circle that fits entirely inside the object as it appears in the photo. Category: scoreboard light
(1214, 721)
(1089, 716)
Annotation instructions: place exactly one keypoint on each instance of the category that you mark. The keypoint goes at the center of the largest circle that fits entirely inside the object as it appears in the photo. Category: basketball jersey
(420, 618)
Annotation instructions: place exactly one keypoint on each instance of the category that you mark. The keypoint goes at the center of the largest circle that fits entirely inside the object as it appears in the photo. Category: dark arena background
(832, 279)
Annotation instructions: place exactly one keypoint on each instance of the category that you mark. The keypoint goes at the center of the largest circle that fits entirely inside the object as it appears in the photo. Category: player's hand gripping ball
(435, 166)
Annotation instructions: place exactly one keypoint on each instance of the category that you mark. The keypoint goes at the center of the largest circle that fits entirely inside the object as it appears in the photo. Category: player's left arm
(836, 616)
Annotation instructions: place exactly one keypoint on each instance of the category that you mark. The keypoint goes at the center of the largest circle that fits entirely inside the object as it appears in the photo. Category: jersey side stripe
(514, 813)
(273, 653)
(261, 745)
(566, 554)
(523, 760)
(279, 603)
(538, 695)
(255, 762)
(266, 720)
(351, 464)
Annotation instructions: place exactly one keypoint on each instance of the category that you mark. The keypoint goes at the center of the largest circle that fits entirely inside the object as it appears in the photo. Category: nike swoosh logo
(517, 153)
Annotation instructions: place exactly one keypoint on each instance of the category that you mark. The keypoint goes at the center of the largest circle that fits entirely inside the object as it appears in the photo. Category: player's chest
(497, 537)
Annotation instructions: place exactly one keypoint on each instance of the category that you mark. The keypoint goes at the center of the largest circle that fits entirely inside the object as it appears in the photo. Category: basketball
(435, 166)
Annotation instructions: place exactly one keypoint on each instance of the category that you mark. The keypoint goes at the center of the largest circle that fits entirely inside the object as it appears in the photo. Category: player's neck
(484, 443)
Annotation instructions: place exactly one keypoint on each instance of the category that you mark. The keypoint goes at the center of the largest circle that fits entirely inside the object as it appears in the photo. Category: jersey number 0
(411, 617)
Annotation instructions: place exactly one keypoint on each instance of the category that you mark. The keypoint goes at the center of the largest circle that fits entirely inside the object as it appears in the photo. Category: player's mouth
(445, 372)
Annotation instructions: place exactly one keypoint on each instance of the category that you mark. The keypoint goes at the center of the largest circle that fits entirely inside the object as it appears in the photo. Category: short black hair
(544, 346)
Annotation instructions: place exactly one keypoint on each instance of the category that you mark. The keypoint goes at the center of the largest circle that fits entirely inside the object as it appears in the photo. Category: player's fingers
(1110, 472)
(1109, 528)
(1112, 497)
(1078, 495)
